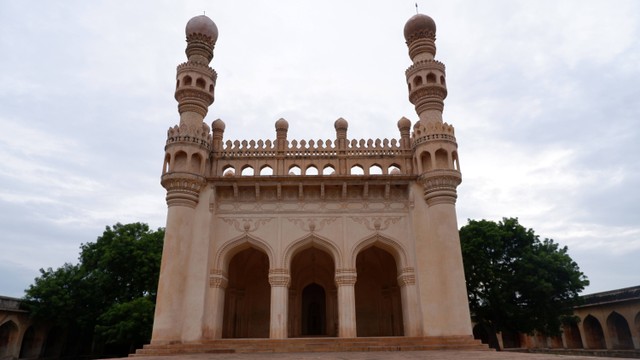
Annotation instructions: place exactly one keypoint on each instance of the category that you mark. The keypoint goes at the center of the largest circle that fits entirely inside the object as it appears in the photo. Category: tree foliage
(106, 301)
(515, 281)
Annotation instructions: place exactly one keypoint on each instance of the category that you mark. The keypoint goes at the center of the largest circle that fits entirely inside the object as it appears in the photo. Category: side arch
(309, 241)
(234, 246)
(393, 247)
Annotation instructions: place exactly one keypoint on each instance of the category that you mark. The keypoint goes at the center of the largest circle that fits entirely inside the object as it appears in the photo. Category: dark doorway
(314, 310)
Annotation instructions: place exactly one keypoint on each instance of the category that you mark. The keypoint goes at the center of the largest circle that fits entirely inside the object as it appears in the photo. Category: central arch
(313, 299)
(314, 310)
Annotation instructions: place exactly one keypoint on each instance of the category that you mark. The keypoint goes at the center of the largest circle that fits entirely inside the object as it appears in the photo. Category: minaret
(435, 156)
(186, 153)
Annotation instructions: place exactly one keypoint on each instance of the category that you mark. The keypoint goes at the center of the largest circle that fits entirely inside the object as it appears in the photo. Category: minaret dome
(201, 24)
(419, 24)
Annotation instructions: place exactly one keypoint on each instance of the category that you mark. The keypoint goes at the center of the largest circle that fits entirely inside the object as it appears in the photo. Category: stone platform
(314, 345)
(379, 355)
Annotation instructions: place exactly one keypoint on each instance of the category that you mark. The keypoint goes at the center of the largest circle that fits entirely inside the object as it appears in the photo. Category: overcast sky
(544, 96)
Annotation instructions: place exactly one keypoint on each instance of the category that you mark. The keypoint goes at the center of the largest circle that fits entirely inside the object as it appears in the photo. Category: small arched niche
(356, 170)
(328, 170)
(266, 171)
(295, 170)
(247, 170)
(375, 169)
(311, 170)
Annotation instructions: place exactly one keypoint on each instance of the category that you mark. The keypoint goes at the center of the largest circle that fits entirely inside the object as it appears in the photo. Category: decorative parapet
(432, 131)
(428, 64)
(200, 136)
(440, 186)
(311, 148)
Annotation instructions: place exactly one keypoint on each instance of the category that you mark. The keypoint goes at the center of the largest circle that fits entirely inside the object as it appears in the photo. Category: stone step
(316, 345)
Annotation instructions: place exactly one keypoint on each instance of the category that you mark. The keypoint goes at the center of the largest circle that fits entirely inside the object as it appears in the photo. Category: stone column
(345, 281)
(182, 197)
(279, 280)
(410, 305)
(214, 308)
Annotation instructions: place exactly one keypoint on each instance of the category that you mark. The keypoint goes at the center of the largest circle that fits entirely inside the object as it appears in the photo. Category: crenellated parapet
(198, 135)
(340, 156)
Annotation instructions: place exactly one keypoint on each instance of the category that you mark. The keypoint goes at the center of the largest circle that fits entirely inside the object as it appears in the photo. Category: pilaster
(345, 281)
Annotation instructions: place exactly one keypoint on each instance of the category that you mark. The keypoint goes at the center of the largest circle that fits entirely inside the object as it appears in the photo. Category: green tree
(515, 282)
(106, 301)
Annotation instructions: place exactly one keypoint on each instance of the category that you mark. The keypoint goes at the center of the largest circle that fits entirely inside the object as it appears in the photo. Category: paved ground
(404, 355)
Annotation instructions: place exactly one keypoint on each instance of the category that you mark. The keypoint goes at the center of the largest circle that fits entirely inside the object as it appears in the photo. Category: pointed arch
(393, 247)
(294, 170)
(308, 241)
(180, 161)
(593, 333)
(356, 169)
(8, 337)
(328, 170)
(375, 169)
(234, 246)
(266, 170)
(620, 332)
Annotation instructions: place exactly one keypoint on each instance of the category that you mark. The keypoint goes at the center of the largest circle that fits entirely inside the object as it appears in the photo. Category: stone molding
(421, 42)
(279, 277)
(440, 186)
(346, 277)
(218, 279)
(183, 189)
(193, 99)
(407, 277)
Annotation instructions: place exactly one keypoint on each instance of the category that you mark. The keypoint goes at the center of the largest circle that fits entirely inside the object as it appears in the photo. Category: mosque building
(295, 239)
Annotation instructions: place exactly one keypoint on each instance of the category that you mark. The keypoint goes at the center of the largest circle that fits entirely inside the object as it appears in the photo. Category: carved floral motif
(376, 223)
(246, 225)
(312, 224)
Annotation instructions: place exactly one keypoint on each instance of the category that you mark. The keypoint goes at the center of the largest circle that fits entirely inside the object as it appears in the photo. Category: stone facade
(282, 238)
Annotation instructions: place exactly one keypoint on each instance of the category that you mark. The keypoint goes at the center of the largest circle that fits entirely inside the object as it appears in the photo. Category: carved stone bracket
(346, 277)
(182, 188)
(246, 225)
(279, 277)
(312, 224)
(376, 223)
(407, 277)
(218, 279)
(440, 186)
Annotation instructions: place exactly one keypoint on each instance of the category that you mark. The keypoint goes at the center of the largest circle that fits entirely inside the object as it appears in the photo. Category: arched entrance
(378, 299)
(247, 303)
(593, 333)
(29, 347)
(572, 336)
(313, 296)
(8, 334)
(314, 310)
(620, 332)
